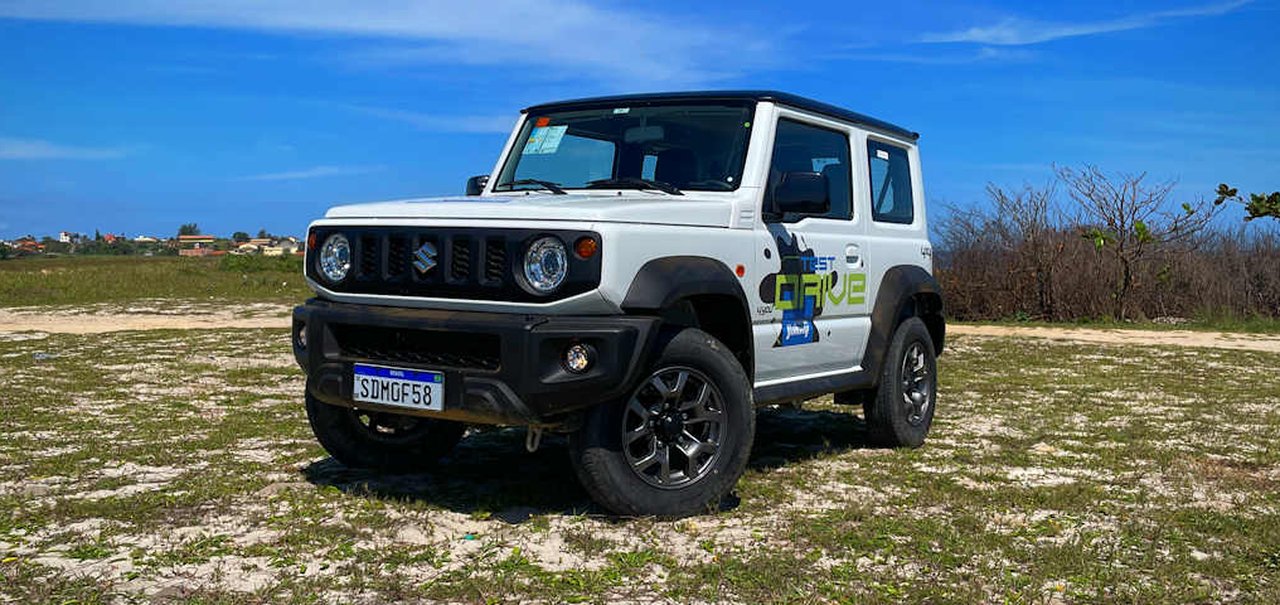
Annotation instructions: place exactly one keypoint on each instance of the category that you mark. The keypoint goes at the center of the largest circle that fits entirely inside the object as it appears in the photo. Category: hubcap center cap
(670, 425)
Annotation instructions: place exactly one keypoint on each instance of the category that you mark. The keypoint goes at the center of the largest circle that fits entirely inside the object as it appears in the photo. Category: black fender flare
(895, 299)
(662, 282)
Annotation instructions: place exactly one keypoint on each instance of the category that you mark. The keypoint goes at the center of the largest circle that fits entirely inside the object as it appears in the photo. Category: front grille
(397, 256)
(468, 263)
(427, 348)
(369, 261)
(460, 259)
(495, 260)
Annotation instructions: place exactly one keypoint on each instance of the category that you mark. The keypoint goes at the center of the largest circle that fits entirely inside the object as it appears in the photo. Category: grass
(179, 466)
(80, 280)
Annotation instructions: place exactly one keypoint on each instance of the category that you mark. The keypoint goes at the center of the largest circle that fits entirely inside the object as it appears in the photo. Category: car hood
(629, 207)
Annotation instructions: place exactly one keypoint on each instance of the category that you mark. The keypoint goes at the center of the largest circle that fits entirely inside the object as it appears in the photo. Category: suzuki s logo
(425, 257)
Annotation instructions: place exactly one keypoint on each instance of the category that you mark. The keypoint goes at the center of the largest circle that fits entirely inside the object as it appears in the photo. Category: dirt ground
(170, 315)
(172, 462)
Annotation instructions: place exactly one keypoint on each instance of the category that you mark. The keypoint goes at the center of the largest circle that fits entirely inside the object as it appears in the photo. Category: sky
(135, 116)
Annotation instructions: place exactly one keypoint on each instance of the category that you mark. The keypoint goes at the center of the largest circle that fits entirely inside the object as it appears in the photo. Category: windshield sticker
(544, 140)
(621, 110)
(882, 154)
(543, 121)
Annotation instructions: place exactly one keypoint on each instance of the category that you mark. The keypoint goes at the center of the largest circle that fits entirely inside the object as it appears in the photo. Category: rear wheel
(901, 412)
(380, 440)
(678, 443)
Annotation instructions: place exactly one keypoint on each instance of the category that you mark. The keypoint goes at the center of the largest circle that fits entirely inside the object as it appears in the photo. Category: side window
(800, 147)
(890, 184)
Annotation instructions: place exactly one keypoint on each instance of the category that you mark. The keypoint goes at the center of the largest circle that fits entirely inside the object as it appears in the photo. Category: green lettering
(856, 284)
(781, 303)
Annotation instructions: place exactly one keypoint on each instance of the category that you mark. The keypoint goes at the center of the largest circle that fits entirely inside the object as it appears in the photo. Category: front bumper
(499, 368)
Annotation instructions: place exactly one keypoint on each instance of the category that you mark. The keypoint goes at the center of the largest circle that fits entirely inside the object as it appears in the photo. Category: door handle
(853, 256)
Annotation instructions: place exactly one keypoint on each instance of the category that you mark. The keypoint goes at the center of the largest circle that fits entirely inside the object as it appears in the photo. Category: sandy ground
(165, 315)
(1174, 338)
(143, 315)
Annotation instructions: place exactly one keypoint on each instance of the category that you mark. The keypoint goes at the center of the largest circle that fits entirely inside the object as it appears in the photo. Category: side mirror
(802, 193)
(475, 184)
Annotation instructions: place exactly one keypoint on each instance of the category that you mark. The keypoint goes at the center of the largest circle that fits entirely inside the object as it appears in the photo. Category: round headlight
(545, 265)
(335, 258)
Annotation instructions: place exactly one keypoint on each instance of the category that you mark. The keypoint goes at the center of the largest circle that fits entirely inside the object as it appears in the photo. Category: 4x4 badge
(424, 258)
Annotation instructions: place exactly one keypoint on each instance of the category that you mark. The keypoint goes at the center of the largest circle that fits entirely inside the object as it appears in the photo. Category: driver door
(815, 277)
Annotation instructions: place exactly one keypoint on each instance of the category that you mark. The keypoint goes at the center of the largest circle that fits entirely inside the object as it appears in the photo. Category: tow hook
(533, 438)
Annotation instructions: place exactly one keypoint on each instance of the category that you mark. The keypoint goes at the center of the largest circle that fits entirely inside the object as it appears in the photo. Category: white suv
(639, 272)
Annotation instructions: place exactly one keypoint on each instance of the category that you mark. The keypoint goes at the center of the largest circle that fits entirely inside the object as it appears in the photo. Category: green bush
(258, 264)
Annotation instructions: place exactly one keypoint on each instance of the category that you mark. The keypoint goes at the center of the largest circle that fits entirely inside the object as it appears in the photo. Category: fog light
(301, 336)
(578, 358)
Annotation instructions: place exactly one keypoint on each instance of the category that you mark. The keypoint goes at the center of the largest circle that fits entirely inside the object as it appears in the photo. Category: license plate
(417, 389)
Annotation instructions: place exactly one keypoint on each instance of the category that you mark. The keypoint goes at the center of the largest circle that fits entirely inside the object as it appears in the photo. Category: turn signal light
(586, 247)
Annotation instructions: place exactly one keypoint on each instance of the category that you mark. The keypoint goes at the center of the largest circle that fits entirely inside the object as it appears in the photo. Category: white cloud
(500, 124)
(312, 173)
(37, 149)
(1018, 32)
(984, 54)
(567, 35)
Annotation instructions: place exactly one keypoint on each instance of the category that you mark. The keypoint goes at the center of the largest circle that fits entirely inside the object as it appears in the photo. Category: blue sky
(137, 115)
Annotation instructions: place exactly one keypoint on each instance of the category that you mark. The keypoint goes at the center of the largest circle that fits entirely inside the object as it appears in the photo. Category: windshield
(698, 147)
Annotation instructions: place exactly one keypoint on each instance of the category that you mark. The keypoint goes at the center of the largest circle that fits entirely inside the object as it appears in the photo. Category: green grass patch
(100, 279)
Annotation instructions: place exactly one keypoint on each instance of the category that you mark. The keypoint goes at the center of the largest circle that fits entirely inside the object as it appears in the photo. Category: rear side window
(890, 184)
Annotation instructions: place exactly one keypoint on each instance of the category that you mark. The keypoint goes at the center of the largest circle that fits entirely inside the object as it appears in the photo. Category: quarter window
(890, 184)
(799, 147)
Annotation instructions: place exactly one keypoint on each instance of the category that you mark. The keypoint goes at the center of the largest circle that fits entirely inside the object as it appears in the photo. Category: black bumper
(499, 368)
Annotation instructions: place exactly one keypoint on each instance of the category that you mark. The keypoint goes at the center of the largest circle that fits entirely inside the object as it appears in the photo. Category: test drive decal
(800, 288)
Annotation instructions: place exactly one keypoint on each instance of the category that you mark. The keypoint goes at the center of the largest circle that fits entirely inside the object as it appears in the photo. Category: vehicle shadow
(491, 473)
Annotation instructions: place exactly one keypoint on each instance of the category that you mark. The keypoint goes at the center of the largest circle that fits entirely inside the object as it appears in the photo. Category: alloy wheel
(672, 427)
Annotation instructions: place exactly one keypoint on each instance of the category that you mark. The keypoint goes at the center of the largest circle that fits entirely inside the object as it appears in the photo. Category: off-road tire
(346, 436)
(606, 470)
(891, 420)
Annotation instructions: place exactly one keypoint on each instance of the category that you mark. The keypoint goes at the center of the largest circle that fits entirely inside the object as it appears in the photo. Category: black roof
(783, 98)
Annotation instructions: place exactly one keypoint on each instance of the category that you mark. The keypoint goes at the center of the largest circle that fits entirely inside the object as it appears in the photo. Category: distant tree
(1258, 205)
(5, 251)
(53, 246)
(1026, 224)
(1129, 218)
(240, 237)
(97, 235)
(262, 234)
(189, 229)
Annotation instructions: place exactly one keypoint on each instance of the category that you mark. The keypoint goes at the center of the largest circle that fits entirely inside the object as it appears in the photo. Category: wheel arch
(905, 291)
(699, 292)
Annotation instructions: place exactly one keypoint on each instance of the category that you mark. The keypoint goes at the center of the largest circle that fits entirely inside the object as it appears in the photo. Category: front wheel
(380, 440)
(678, 443)
(901, 412)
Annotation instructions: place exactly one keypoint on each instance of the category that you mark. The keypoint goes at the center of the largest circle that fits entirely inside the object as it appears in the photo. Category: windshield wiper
(548, 185)
(632, 181)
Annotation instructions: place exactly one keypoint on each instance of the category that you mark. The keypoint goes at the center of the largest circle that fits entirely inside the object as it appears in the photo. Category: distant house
(195, 245)
(145, 239)
(261, 241)
(28, 245)
(112, 238)
(246, 249)
(66, 237)
(283, 248)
